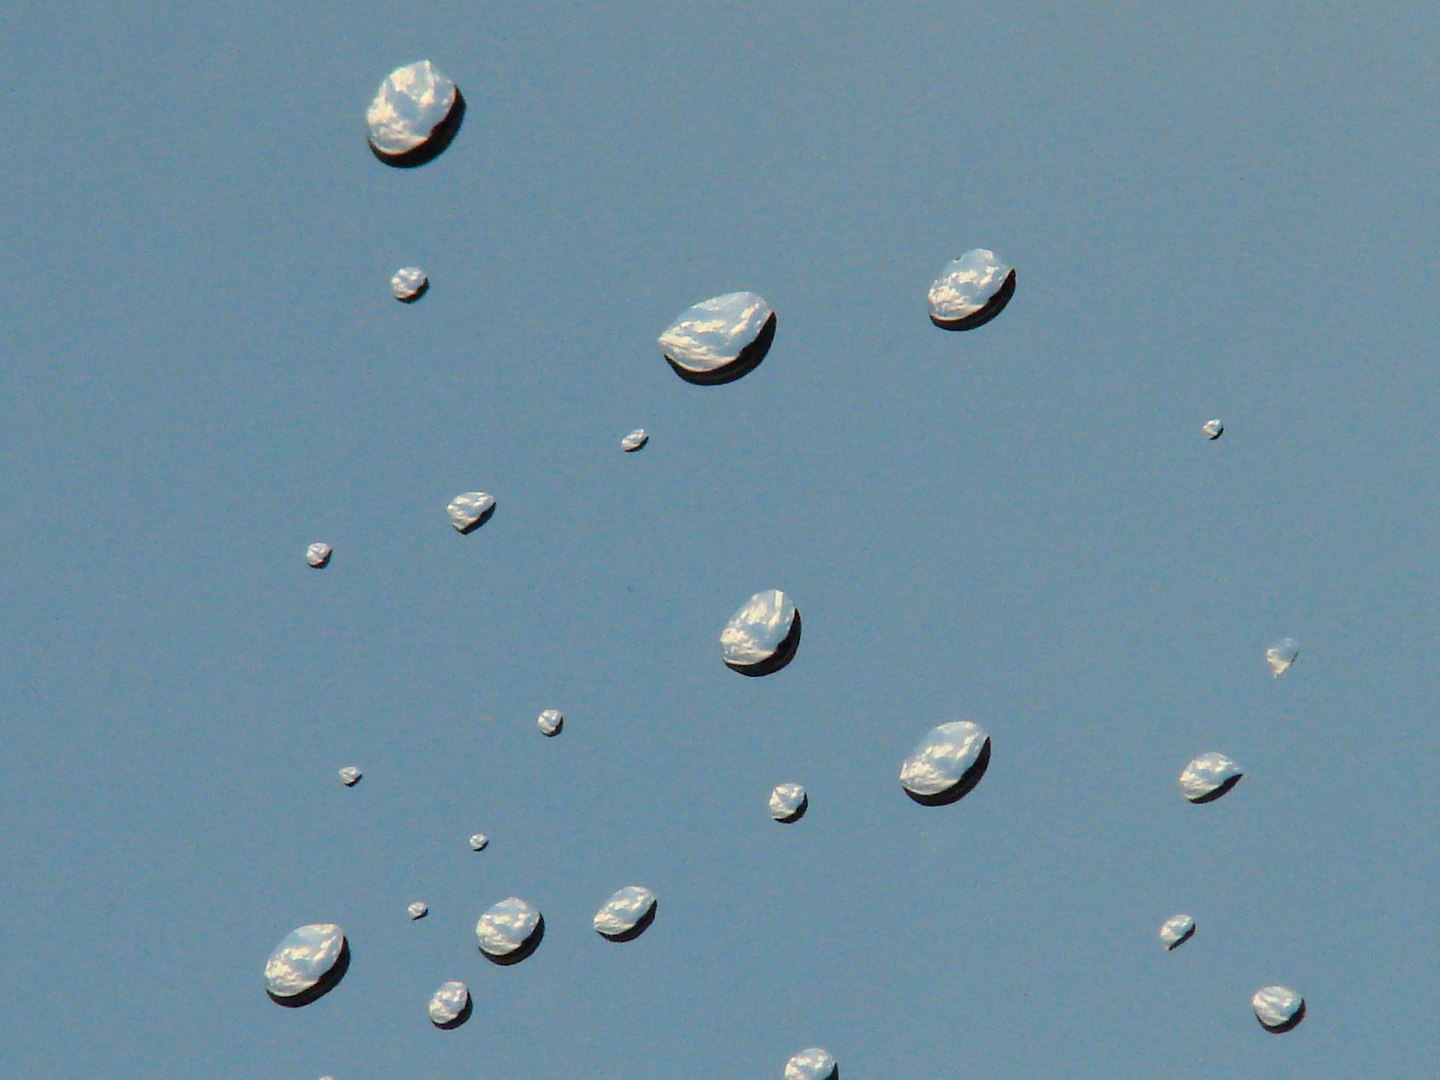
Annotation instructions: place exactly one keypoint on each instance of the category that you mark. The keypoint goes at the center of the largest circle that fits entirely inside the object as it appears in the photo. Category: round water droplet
(479, 842)
(719, 340)
(636, 440)
(470, 510)
(350, 775)
(550, 722)
(788, 802)
(415, 115)
(418, 910)
(761, 638)
(307, 964)
(510, 931)
(1177, 930)
(947, 763)
(971, 291)
(318, 555)
(1208, 777)
(1278, 1008)
(1282, 655)
(450, 1006)
(409, 284)
(813, 1064)
(627, 914)
(1213, 429)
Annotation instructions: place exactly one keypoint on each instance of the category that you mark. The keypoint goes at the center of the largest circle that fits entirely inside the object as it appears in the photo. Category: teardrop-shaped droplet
(350, 775)
(307, 964)
(1282, 655)
(947, 763)
(1177, 930)
(627, 914)
(510, 931)
(1208, 777)
(813, 1064)
(971, 291)
(550, 722)
(636, 440)
(418, 910)
(719, 340)
(761, 638)
(1213, 429)
(409, 284)
(415, 115)
(318, 555)
(479, 842)
(788, 803)
(1278, 1008)
(470, 510)
(450, 1006)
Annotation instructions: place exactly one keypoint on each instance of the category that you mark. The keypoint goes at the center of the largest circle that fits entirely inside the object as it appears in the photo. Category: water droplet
(470, 510)
(813, 1064)
(409, 284)
(971, 291)
(1208, 777)
(719, 340)
(761, 638)
(418, 910)
(1213, 429)
(636, 440)
(350, 775)
(307, 964)
(1278, 1008)
(450, 1006)
(415, 115)
(510, 931)
(318, 555)
(479, 842)
(788, 803)
(550, 722)
(1177, 930)
(1281, 655)
(947, 764)
(627, 914)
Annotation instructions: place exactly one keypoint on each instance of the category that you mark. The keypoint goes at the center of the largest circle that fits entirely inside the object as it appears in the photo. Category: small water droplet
(415, 115)
(761, 638)
(350, 775)
(636, 440)
(510, 931)
(627, 914)
(307, 964)
(718, 340)
(450, 1006)
(1278, 1008)
(1176, 930)
(409, 284)
(813, 1064)
(550, 722)
(418, 910)
(1208, 777)
(971, 291)
(946, 764)
(1213, 429)
(479, 842)
(470, 510)
(318, 555)
(788, 803)
(1282, 655)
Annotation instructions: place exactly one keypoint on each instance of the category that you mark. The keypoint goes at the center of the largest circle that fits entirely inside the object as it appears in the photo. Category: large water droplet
(318, 555)
(307, 964)
(636, 440)
(947, 763)
(1177, 930)
(1278, 1008)
(761, 638)
(788, 803)
(719, 340)
(479, 842)
(510, 931)
(350, 775)
(627, 914)
(971, 291)
(415, 115)
(470, 510)
(1213, 429)
(450, 1006)
(418, 910)
(1281, 655)
(550, 722)
(409, 284)
(1208, 777)
(813, 1064)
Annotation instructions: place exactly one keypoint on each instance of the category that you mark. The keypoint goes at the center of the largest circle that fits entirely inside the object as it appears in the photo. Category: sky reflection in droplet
(318, 555)
(971, 291)
(761, 638)
(550, 722)
(1282, 655)
(510, 931)
(1278, 1008)
(479, 842)
(815, 1063)
(719, 340)
(1213, 429)
(350, 775)
(415, 115)
(627, 914)
(450, 1006)
(1176, 930)
(1208, 777)
(307, 964)
(788, 803)
(409, 284)
(418, 910)
(636, 440)
(947, 763)
(469, 510)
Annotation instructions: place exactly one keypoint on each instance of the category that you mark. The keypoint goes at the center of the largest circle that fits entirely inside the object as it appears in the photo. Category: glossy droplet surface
(318, 555)
(1282, 655)
(946, 764)
(1208, 777)
(510, 931)
(307, 964)
(450, 1006)
(470, 510)
(1176, 930)
(415, 115)
(550, 722)
(418, 910)
(636, 440)
(719, 340)
(1278, 1008)
(409, 284)
(788, 803)
(627, 914)
(350, 775)
(1213, 429)
(971, 291)
(761, 638)
(479, 842)
(812, 1064)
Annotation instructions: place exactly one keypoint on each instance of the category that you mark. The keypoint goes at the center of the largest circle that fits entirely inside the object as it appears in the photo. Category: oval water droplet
(550, 722)
(1213, 429)
(510, 931)
(479, 842)
(450, 1006)
(1208, 777)
(761, 638)
(1282, 655)
(627, 914)
(409, 284)
(946, 764)
(418, 910)
(788, 803)
(718, 340)
(971, 291)
(318, 555)
(470, 510)
(415, 115)
(636, 440)
(1176, 930)
(1278, 1008)
(812, 1064)
(350, 775)
(307, 964)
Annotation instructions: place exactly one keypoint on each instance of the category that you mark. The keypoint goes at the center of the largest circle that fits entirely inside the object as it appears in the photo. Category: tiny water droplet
(318, 555)
(1208, 777)
(1176, 930)
(1213, 429)
(813, 1064)
(479, 842)
(350, 775)
(718, 340)
(307, 964)
(418, 910)
(627, 914)
(971, 291)
(409, 284)
(510, 931)
(470, 510)
(761, 638)
(1278, 1008)
(415, 115)
(946, 764)
(450, 1006)
(636, 440)
(550, 722)
(1282, 655)
(788, 803)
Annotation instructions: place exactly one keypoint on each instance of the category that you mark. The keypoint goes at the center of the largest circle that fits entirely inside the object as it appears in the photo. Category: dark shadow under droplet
(526, 949)
(441, 136)
(328, 982)
(464, 1014)
(993, 307)
(962, 787)
(745, 362)
(1223, 789)
(783, 654)
(635, 931)
(1288, 1025)
(797, 813)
